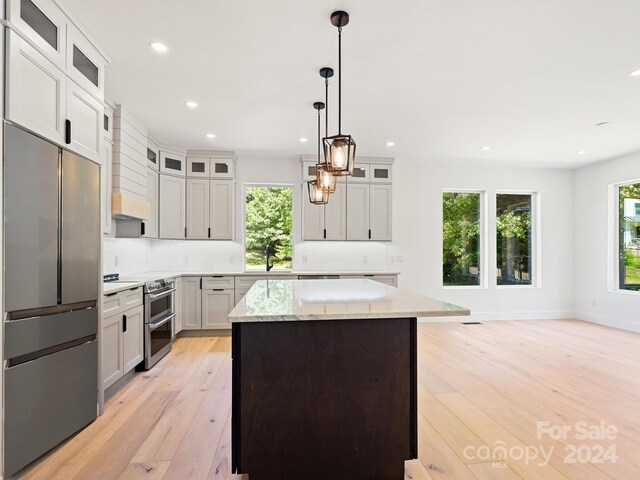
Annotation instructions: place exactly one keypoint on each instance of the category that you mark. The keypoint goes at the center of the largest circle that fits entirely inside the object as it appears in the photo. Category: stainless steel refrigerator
(51, 254)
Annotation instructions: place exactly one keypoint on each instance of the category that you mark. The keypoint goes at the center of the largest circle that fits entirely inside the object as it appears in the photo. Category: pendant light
(317, 195)
(340, 149)
(324, 178)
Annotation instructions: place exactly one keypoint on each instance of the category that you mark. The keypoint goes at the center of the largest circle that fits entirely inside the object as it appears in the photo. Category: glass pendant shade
(327, 182)
(339, 155)
(316, 195)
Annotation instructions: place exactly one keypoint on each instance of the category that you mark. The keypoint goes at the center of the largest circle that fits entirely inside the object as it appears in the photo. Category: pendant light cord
(326, 103)
(339, 80)
(319, 136)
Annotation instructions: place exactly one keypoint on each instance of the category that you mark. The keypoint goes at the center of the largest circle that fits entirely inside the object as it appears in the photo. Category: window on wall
(461, 237)
(268, 221)
(514, 239)
(629, 236)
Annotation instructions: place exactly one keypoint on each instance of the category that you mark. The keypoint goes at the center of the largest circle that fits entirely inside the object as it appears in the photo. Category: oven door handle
(154, 296)
(153, 326)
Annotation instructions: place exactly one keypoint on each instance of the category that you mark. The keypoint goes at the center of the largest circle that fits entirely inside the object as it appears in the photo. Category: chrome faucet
(267, 256)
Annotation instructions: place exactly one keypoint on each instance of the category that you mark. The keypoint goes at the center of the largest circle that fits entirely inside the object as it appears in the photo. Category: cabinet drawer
(217, 282)
(391, 280)
(112, 304)
(132, 297)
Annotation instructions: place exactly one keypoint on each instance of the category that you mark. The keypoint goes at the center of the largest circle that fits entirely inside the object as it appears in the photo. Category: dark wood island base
(324, 399)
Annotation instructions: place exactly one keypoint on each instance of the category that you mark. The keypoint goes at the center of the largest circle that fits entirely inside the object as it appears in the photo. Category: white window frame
(243, 223)
(536, 238)
(484, 244)
(613, 244)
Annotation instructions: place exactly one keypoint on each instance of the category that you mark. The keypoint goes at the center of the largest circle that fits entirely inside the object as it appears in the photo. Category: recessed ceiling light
(390, 144)
(303, 140)
(191, 104)
(485, 148)
(159, 47)
(636, 73)
(211, 135)
(582, 152)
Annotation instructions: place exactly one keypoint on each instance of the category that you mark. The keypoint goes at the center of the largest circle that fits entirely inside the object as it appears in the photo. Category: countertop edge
(337, 316)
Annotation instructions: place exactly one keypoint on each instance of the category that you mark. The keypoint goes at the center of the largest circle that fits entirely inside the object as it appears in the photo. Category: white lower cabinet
(133, 338)
(122, 344)
(172, 207)
(177, 307)
(216, 305)
(191, 303)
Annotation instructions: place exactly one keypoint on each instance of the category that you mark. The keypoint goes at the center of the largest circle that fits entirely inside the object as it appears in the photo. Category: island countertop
(303, 300)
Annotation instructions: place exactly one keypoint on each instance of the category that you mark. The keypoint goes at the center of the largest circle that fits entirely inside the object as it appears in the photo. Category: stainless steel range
(158, 320)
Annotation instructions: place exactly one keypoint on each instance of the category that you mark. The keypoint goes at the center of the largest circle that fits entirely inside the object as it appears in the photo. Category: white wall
(595, 299)
(416, 249)
(418, 238)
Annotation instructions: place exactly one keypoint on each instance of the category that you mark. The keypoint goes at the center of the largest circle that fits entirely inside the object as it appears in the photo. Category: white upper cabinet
(85, 64)
(173, 163)
(151, 225)
(222, 167)
(198, 209)
(380, 212)
(308, 170)
(153, 155)
(361, 174)
(85, 120)
(380, 173)
(357, 212)
(35, 90)
(335, 214)
(172, 207)
(197, 167)
(221, 209)
(312, 218)
(44, 24)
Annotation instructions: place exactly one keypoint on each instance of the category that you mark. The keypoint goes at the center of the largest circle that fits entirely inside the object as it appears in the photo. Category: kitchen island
(325, 379)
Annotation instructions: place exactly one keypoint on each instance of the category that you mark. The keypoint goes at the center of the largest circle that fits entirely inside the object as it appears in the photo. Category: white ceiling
(440, 78)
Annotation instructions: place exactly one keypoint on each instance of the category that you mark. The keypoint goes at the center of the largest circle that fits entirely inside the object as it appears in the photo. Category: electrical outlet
(393, 259)
(365, 259)
(231, 259)
(399, 259)
(186, 259)
(594, 302)
(305, 258)
(117, 261)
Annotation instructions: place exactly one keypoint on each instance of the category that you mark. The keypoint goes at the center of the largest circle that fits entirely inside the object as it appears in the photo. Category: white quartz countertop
(293, 300)
(138, 279)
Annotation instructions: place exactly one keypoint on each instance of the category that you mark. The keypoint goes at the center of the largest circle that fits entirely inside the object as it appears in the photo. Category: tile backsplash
(128, 256)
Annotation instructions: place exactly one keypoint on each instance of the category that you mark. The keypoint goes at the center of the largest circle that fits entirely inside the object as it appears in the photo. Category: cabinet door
(335, 214)
(221, 209)
(360, 174)
(172, 163)
(312, 218)
(86, 116)
(177, 307)
(85, 64)
(197, 167)
(198, 208)
(153, 155)
(308, 171)
(191, 303)
(380, 212)
(132, 337)
(111, 350)
(216, 306)
(105, 185)
(35, 90)
(44, 23)
(357, 211)
(380, 173)
(172, 207)
(222, 168)
(151, 225)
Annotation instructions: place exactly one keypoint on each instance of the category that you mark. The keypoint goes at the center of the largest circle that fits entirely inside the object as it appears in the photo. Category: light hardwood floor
(482, 390)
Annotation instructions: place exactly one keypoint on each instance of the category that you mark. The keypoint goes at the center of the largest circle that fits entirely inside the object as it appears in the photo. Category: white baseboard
(502, 316)
(609, 321)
